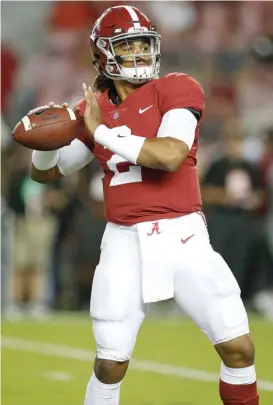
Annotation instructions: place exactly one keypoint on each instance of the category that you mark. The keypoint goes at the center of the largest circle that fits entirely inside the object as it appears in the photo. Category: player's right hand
(92, 113)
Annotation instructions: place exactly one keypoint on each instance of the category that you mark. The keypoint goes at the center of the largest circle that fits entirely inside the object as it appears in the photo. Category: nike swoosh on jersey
(187, 239)
(141, 111)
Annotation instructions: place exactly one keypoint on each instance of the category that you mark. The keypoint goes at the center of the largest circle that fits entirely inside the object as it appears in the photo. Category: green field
(42, 366)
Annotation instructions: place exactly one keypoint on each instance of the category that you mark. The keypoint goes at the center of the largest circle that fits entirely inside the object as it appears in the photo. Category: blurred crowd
(51, 233)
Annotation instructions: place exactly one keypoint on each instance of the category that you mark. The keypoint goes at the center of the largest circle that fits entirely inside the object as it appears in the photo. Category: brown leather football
(47, 128)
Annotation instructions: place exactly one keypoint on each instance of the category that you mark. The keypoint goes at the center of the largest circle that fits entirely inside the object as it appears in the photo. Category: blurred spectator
(181, 19)
(263, 300)
(90, 227)
(267, 171)
(255, 88)
(71, 16)
(76, 15)
(221, 106)
(66, 56)
(23, 26)
(231, 192)
(9, 65)
(6, 138)
(7, 229)
(7, 222)
(76, 246)
(33, 230)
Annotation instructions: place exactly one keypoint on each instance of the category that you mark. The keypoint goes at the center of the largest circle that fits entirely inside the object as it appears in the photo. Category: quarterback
(144, 130)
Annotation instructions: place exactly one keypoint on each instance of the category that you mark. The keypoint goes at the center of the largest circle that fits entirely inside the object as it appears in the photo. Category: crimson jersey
(133, 193)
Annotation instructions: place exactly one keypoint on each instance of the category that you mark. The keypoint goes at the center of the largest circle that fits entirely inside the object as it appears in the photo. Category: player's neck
(124, 88)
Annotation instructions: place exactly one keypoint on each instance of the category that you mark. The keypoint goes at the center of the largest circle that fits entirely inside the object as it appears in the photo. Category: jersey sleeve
(178, 90)
(74, 157)
(82, 134)
(180, 124)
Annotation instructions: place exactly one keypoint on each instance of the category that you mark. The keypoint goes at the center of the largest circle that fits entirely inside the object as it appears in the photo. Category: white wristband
(120, 141)
(44, 160)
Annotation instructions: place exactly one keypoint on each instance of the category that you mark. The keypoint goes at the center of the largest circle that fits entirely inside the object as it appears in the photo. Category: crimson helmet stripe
(133, 15)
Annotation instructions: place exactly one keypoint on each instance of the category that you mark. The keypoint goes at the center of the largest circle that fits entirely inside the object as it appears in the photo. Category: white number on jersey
(124, 171)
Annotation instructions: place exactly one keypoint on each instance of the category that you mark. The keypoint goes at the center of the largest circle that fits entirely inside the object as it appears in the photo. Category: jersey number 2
(124, 171)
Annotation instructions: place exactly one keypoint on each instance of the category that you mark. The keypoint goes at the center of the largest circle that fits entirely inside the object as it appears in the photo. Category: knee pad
(231, 320)
(116, 339)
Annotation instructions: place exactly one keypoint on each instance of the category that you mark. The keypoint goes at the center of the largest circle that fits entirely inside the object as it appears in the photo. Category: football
(47, 128)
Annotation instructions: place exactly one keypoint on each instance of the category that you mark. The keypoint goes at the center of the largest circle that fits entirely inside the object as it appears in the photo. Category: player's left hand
(92, 114)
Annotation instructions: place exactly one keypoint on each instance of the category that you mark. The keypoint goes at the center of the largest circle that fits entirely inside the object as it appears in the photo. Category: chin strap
(137, 75)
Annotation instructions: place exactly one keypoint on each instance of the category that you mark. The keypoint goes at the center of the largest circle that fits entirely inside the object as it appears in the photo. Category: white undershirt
(180, 124)
(74, 157)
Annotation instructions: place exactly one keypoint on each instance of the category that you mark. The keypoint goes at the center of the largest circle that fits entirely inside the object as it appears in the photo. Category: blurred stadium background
(51, 233)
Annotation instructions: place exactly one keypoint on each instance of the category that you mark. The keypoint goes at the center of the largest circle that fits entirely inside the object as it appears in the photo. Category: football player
(144, 131)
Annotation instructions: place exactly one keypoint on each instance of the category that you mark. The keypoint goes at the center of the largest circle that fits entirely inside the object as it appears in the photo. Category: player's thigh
(116, 290)
(116, 300)
(207, 291)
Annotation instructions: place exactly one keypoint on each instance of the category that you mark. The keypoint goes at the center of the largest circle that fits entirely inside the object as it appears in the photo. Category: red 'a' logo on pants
(155, 229)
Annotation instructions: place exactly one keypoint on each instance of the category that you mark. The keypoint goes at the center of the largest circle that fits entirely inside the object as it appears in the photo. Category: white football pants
(157, 260)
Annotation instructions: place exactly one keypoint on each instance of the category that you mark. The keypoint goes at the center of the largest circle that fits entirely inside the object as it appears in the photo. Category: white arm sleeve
(74, 157)
(179, 123)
